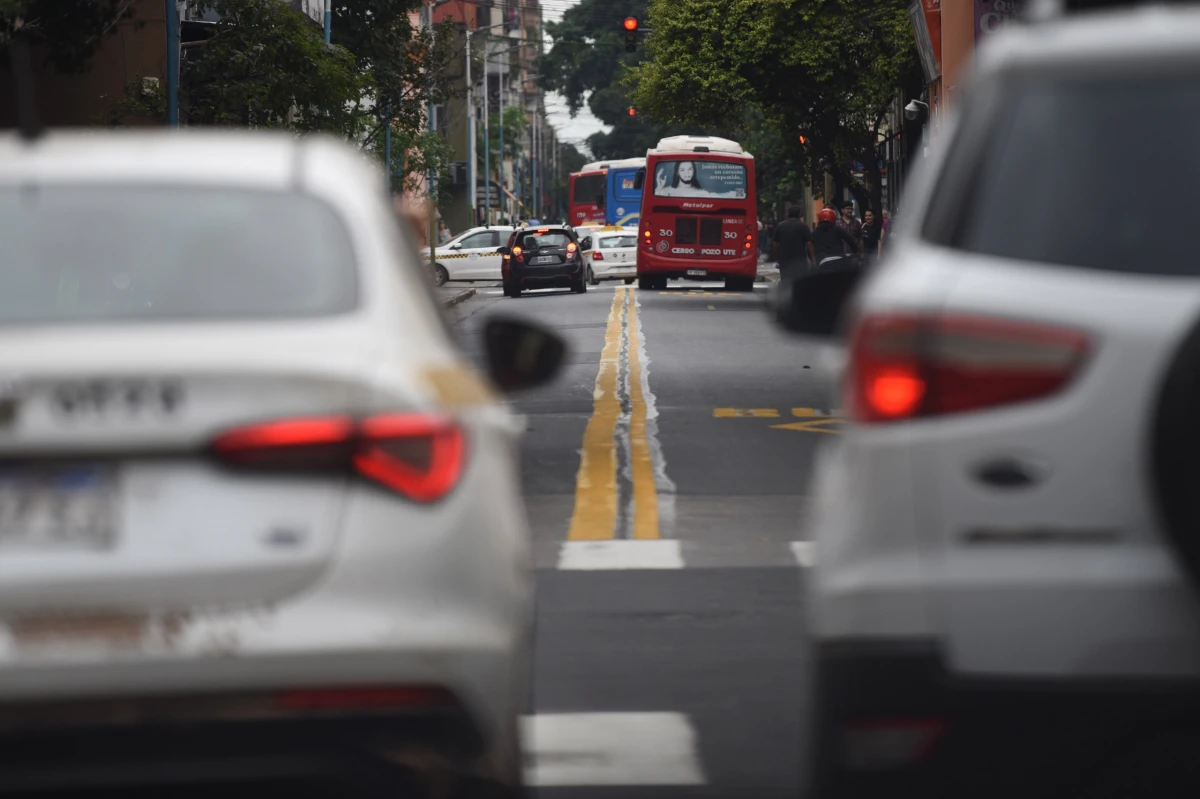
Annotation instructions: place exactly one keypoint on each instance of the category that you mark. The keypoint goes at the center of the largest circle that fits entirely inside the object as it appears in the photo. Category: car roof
(251, 159)
(1107, 39)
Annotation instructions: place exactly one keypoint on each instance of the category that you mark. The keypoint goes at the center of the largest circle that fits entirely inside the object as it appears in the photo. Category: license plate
(698, 272)
(53, 508)
(546, 259)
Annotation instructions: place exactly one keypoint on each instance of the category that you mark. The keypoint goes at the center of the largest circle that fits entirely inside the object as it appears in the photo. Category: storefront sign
(992, 15)
(929, 58)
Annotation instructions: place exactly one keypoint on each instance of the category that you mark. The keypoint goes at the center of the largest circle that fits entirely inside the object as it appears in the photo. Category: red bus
(587, 189)
(699, 217)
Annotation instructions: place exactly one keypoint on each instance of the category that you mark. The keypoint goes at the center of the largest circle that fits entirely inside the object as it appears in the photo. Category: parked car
(259, 521)
(543, 257)
(610, 257)
(1005, 596)
(471, 256)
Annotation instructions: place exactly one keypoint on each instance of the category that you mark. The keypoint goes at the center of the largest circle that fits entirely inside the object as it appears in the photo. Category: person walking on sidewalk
(792, 246)
(872, 238)
(851, 225)
(830, 242)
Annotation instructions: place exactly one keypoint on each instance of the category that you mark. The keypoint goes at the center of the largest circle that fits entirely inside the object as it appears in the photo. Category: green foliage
(141, 99)
(69, 33)
(267, 66)
(829, 68)
(515, 124)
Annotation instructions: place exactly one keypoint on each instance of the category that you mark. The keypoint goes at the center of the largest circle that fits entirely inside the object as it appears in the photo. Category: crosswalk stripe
(619, 554)
(629, 749)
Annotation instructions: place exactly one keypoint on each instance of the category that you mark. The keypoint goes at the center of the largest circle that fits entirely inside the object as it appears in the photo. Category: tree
(407, 69)
(828, 68)
(67, 33)
(267, 66)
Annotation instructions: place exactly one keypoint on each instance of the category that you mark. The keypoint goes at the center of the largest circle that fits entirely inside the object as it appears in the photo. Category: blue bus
(623, 199)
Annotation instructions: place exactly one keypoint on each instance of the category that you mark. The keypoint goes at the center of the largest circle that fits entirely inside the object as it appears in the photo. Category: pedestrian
(792, 246)
(851, 225)
(872, 237)
(830, 241)
(443, 233)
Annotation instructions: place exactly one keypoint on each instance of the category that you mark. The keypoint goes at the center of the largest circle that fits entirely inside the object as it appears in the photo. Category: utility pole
(471, 133)
(431, 178)
(328, 20)
(500, 83)
(172, 64)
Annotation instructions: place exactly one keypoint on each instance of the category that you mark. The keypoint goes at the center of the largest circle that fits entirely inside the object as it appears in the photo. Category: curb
(458, 297)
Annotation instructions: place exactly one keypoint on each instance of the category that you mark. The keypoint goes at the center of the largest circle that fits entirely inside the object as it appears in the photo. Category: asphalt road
(665, 474)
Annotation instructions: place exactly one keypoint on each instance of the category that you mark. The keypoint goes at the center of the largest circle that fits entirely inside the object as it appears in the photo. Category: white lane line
(619, 554)
(576, 749)
(803, 551)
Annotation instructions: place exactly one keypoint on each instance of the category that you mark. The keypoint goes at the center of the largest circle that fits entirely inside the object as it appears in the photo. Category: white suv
(1008, 533)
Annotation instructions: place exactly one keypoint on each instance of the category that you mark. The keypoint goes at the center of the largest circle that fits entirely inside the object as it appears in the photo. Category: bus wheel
(628, 281)
(660, 283)
(646, 283)
(739, 284)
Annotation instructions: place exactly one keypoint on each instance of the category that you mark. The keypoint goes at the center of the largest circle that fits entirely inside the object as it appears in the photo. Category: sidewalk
(452, 295)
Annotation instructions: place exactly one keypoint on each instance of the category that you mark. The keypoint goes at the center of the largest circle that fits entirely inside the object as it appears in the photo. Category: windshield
(554, 238)
(615, 242)
(699, 179)
(91, 253)
(588, 188)
(1039, 186)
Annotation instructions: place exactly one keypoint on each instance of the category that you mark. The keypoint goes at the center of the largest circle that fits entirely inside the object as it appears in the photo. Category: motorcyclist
(828, 239)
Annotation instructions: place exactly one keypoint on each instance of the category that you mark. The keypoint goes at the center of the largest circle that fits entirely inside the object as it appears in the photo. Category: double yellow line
(596, 487)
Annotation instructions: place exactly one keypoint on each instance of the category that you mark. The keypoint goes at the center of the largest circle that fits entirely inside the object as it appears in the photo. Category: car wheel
(580, 286)
(512, 291)
(628, 281)
(440, 274)
(591, 277)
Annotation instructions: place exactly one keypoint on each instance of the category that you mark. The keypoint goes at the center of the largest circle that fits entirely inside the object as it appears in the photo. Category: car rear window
(95, 253)
(616, 242)
(1093, 172)
(554, 238)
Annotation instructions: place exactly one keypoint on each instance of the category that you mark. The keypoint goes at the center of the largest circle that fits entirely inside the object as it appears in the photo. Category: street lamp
(911, 111)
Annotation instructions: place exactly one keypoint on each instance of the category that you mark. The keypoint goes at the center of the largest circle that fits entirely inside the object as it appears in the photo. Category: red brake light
(571, 248)
(597, 256)
(905, 366)
(420, 456)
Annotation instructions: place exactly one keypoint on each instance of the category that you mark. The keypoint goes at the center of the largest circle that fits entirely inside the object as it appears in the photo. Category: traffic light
(631, 34)
(803, 140)
(632, 111)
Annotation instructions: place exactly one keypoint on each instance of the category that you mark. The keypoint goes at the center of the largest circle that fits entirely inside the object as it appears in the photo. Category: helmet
(827, 215)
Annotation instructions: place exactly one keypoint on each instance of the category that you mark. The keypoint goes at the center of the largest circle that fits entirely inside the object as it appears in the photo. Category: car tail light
(365, 698)
(571, 248)
(419, 456)
(889, 743)
(904, 366)
(597, 256)
(519, 254)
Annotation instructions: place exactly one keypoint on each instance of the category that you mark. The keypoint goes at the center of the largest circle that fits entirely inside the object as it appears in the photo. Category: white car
(258, 518)
(1005, 595)
(608, 256)
(471, 256)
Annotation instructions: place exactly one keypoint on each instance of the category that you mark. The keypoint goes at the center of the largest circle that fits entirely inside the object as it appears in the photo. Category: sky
(584, 123)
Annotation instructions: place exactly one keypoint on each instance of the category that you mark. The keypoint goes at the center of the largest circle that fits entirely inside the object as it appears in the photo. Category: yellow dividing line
(595, 514)
(645, 493)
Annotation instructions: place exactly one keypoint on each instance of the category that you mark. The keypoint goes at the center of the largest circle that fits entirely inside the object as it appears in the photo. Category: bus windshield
(700, 179)
(589, 187)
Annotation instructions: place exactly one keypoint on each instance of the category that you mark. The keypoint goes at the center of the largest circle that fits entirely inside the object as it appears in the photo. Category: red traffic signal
(632, 111)
(803, 140)
(631, 23)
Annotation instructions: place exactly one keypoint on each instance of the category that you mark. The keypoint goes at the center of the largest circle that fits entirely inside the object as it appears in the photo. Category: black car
(542, 257)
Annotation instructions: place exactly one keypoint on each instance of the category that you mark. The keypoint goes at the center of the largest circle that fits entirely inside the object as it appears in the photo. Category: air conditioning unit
(458, 173)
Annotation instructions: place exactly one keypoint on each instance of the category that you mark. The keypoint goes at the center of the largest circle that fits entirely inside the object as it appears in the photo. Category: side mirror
(521, 354)
(502, 251)
(586, 244)
(456, 245)
(813, 304)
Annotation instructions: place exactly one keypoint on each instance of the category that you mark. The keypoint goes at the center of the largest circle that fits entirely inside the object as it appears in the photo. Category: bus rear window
(700, 179)
(588, 188)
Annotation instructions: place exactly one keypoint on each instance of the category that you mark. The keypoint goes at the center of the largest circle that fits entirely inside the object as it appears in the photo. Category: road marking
(578, 749)
(595, 512)
(803, 550)
(712, 307)
(694, 293)
(815, 426)
(620, 554)
(645, 493)
(745, 413)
